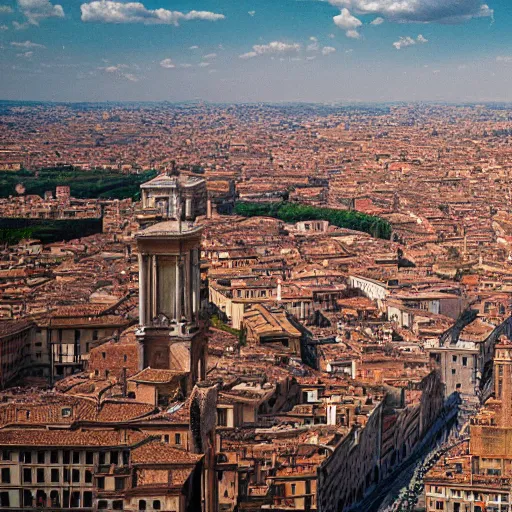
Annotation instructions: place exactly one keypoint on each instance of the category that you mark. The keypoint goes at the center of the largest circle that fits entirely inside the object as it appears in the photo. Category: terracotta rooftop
(154, 376)
(69, 438)
(156, 452)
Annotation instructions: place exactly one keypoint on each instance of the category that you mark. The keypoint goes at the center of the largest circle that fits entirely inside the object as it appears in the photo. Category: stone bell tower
(171, 331)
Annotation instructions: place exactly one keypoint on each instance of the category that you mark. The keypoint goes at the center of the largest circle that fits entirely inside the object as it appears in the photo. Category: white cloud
(404, 42)
(271, 48)
(118, 71)
(210, 56)
(419, 11)
(5, 9)
(326, 50)
(27, 44)
(310, 57)
(167, 64)
(185, 65)
(25, 55)
(203, 64)
(377, 21)
(37, 10)
(195, 47)
(504, 58)
(4, 27)
(108, 11)
(313, 46)
(276, 47)
(248, 55)
(114, 69)
(353, 34)
(20, 26)
(251, 13)
(347, 22)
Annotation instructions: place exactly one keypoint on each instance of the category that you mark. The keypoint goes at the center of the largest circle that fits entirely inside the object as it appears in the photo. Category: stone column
(142, 290)
(188, 288)
(154, 299)
(179, 285)
(196, 269)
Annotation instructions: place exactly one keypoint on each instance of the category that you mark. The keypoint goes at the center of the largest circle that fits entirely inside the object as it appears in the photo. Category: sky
(256, 50)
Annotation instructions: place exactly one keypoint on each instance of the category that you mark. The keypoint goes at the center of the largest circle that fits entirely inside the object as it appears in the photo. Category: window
(75, 475)
(95, 335)
(66, 412)
(104, 355)
(26, 457)
(40, 475)
(102, 458)
(89, 457)
(55, 476)
(27, 498)
(76, 457)
(156, 505)
(453, 371)
(40, 457)
(222, 417)
(6, 455)
(142, 504)
(117, 505)
(75, 499)
(88, 499)
(125, 357)
(88, 476)
(103, 504)
(4, 499)
(6, 476)
(439, 505)
(454, 359)
(294, 488)
(27, 475)
(166, 438)
(66, 454)
(464, 361)
(119, 484)
(177, 438)
(114, 457)
(101, 482)
(54, 457)
(66, 475)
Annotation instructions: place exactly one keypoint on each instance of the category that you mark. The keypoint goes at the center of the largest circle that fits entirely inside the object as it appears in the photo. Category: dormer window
(66, 412)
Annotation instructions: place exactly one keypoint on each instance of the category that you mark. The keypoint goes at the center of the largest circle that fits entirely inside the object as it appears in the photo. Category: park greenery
(295, 212)
(96, 183)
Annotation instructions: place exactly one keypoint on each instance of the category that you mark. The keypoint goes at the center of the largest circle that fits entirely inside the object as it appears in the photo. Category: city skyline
(296, 51)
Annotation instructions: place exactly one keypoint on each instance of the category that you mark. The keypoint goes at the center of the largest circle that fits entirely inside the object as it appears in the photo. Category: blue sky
(256, 50)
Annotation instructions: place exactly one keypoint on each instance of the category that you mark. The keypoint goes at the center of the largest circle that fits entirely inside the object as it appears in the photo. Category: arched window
(156, 505)
(142, 504)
